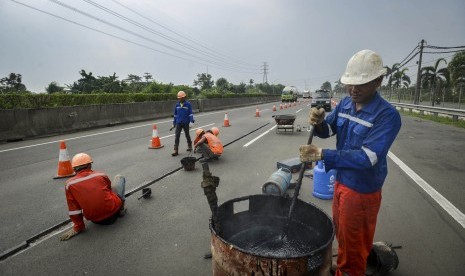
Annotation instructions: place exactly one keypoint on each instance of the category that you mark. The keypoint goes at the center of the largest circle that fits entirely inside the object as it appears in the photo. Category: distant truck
(306, 94)
(289, 94)
(322, 98)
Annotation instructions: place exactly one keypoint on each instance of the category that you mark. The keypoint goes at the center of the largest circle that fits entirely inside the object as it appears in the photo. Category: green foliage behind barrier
(19, 101)
(16, 101)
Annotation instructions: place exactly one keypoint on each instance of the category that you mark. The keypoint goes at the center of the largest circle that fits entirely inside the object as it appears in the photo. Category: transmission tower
(265, 72)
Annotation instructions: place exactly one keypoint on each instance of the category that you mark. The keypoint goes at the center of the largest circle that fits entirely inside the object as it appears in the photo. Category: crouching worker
(208, 145)
(91, 194)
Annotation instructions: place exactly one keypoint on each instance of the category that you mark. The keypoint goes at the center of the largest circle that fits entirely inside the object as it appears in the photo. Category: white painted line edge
(455, 213)
(258, 137)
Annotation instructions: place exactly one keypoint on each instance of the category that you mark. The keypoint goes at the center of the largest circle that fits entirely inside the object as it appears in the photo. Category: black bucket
(253, 239)
(188, 163)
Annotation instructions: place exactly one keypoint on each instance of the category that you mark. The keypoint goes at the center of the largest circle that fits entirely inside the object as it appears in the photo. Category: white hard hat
(363, 67)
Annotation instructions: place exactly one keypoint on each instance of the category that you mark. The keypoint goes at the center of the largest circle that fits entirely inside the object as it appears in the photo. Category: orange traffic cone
(274, 107)
(64, 163)
(155, 139)
(285, 105)
(226, 120)
(280, 106)
(257, 112)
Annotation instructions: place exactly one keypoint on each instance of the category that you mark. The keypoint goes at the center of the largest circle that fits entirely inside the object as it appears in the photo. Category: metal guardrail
(451, 112)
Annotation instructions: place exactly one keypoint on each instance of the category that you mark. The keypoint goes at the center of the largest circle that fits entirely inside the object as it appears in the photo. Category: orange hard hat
(215, 131)
(81, 159)
(199, 131)
(181, 94)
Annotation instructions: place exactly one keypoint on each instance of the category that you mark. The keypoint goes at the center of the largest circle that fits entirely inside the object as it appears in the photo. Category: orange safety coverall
(214, 143)
(89, 194)
(354, 216)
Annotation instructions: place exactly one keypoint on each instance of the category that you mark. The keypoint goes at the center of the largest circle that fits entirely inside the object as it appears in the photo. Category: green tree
(390, 76)
(339, 87)
(204, 81)
(456, 69)
(12, 84)
(400, 80)
(148, 77)
(109, 84)
(53, 87)
(326, 86)
(86, 84)
(134, 84)
(435, 77)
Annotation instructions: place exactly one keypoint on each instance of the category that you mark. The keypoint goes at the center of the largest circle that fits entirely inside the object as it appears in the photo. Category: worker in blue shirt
(365, 126)
(183, 118)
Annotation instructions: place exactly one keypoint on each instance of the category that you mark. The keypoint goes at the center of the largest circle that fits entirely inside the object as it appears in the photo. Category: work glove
(191, 124)
(316, 116)
(68, 234)
(310, 153)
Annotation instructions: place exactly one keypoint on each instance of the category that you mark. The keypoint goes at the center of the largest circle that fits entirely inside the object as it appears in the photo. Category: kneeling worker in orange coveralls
(91, 194)
(208, 145)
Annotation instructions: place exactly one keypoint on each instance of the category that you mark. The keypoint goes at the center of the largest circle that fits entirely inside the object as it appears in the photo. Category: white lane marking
(121, 129)
(258, 137)
(298, 110)
(95, 134)
(116, 130)
(441, 200)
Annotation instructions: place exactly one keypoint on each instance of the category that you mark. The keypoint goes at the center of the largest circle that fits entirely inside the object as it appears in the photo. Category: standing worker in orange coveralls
(365, 126)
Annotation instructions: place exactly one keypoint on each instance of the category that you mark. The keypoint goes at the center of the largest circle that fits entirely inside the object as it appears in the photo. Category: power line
(446, 52)
(114, 36)
(441, 47)
(135, 34)
(180, 35)
(220, 59)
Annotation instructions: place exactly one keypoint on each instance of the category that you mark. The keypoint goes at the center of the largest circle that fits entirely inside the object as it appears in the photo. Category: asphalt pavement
(168, 234)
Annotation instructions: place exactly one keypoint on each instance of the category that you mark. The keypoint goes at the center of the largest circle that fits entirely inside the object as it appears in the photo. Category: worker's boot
(175, 152)
(189, 147)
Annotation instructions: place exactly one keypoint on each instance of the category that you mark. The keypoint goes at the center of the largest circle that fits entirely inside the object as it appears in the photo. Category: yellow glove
(310, 153)
(316, 116)
(68, 234)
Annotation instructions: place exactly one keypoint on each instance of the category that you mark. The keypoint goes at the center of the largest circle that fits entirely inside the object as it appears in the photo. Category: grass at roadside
(439, 119)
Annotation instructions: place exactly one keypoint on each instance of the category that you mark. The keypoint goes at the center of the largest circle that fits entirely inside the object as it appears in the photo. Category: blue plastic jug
(323, 183)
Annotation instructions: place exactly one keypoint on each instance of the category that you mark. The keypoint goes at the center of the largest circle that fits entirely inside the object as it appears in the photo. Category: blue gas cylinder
(323, 182)
(278, 182)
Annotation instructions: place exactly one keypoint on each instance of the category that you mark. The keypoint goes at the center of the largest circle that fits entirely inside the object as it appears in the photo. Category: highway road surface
(422, 209)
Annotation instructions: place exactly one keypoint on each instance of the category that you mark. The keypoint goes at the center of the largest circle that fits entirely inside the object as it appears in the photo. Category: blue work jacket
(183, 113)
(363, 139)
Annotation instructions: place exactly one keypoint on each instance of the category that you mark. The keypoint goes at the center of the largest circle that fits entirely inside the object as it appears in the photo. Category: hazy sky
(303, 42)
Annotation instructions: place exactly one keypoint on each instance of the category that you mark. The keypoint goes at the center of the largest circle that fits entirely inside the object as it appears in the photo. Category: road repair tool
(172, 128)
(146, 193)
(209, 184)
(247, 234)
(188, 163)
(303, 166)
(284, 122)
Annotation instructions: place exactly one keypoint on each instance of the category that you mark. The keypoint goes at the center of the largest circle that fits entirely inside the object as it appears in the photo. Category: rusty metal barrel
(251, 237)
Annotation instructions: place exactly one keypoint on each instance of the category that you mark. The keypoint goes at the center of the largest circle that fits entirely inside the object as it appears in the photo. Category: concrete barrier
(18, 124)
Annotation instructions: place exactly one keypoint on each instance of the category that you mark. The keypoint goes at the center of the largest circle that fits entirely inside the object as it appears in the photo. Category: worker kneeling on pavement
(91, 194)
(208, 145)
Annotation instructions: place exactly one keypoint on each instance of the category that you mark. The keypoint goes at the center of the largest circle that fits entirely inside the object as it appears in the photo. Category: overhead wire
(151, 30)
(128, 40)
(138, 35)
(183, 36)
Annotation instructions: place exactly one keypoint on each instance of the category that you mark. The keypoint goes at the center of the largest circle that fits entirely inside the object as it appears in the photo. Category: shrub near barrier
(17, 101)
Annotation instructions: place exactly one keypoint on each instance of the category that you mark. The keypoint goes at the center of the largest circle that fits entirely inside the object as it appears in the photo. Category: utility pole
(418, 87)
(265, 72)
